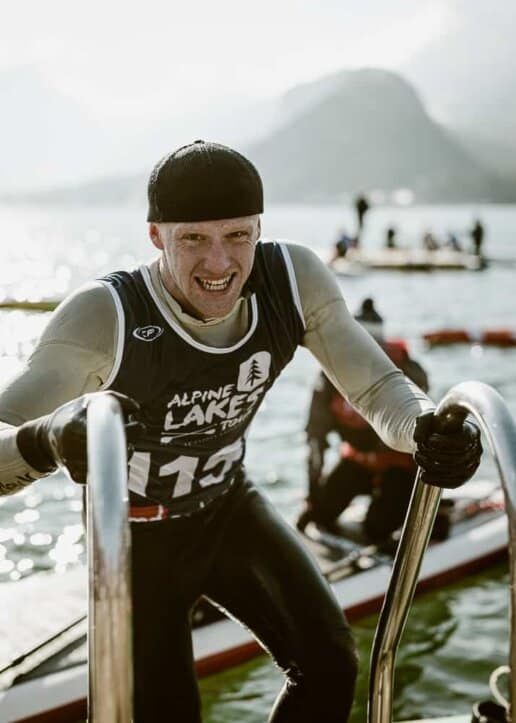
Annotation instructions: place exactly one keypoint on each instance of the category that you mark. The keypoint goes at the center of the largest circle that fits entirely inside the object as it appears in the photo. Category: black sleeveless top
(198, 401)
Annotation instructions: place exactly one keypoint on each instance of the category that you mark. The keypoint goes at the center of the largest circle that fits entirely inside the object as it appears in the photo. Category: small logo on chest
(148, 333)
(254, 371)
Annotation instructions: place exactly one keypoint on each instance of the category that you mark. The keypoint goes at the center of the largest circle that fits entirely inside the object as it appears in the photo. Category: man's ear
(259, 227)
(155, 236)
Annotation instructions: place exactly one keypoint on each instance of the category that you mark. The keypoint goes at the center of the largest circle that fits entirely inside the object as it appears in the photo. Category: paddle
(30, 659)
(344, 561)
(11, 304)
(356, 561)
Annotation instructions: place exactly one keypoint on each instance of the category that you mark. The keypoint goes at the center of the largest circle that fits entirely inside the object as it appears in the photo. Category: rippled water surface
(453, 640)
(456, 636)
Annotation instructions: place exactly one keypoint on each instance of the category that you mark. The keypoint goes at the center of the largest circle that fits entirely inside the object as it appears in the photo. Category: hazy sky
(105, 87)
(136, 61)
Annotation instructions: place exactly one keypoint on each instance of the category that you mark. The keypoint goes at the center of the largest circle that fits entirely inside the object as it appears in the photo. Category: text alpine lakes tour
(219, 409)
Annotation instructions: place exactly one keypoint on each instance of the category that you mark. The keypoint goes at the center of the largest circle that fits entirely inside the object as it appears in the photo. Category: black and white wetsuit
(198, 401)
(223, 539)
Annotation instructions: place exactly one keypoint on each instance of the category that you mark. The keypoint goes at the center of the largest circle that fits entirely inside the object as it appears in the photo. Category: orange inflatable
(489, 337)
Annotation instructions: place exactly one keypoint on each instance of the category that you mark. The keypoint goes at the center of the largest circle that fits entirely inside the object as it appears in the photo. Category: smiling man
(205, 265)
(191, 343)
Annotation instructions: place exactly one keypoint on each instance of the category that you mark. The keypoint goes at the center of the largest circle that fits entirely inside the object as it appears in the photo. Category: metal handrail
(496, 423)
(109, 610)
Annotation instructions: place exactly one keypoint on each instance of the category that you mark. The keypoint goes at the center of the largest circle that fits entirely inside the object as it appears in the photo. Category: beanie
(204, 181)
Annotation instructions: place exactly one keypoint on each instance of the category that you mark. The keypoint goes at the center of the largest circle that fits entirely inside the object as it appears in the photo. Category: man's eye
(193, 237)
(239, 235)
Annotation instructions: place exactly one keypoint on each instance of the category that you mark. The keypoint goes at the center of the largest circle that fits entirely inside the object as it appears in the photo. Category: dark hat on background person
(204, 181)
(370, 319)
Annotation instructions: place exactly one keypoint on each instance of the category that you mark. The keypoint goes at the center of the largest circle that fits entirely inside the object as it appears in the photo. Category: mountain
(366, 129)
(466, 74)
(103, 191)
(48, 140)
(347, 132)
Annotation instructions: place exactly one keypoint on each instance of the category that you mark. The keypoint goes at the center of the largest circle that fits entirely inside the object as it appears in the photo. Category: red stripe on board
(227, 659)
(69, 713)
(235, 656)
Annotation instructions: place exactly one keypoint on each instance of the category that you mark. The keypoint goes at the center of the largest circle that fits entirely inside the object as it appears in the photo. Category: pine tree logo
(254, 372)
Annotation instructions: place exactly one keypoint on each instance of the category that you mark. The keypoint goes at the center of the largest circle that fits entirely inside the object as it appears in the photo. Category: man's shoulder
(82, 314)
(93, 296)
(299, 253)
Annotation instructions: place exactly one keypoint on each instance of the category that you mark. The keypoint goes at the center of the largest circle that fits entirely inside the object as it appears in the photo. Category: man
(390, 239)
(361, 208)
(477, 235)
(191, 343)
(341, 246)
(366, 466)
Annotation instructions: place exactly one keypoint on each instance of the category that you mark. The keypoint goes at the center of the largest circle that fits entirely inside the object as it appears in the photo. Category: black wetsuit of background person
(477, 235)
(390, 240)
(361, 207)
(366, 466)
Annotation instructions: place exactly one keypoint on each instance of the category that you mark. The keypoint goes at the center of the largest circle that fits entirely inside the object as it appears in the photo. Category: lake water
(455, 636)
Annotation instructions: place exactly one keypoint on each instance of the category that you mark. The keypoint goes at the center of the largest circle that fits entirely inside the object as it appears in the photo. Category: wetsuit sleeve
(74, 356)
(320, 424)
(352, 360)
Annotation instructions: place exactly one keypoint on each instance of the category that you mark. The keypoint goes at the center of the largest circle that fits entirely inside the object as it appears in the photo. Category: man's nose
(218, 258)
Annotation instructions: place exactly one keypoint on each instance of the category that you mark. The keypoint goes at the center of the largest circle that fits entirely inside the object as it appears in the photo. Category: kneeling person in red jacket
(366, 466)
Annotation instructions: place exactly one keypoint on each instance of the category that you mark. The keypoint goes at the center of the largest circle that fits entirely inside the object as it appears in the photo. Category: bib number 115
(179, 474)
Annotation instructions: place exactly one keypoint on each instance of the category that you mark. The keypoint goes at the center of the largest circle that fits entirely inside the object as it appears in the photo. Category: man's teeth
(219, 285)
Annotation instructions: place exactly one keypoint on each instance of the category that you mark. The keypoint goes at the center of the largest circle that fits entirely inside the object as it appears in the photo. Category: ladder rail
(495, 421)
(110, 684)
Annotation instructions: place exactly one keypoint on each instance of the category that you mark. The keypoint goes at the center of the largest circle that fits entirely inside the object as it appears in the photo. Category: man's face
(205, 264)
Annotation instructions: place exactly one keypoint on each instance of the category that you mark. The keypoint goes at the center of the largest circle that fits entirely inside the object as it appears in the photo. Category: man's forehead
(218, 226)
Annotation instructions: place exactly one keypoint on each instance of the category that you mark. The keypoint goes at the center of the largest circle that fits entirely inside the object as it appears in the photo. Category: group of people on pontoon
(344, 241)
(431, 243)
(189, 345)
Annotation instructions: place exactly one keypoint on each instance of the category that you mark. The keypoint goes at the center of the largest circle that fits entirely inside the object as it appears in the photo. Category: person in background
(341, 246)
(361, 207)
(452, 242)
(477, 236)
(390, 239)
(430, 243)
(366, 466)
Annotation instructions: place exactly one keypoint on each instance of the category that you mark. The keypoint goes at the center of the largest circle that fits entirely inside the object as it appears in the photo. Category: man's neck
(232, 326)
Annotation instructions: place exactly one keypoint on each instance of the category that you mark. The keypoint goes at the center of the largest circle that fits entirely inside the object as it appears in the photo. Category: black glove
(447, 459)
(59, 439)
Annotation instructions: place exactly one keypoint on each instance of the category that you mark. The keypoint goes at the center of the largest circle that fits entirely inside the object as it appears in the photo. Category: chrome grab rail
(110, 696)
(495, 421)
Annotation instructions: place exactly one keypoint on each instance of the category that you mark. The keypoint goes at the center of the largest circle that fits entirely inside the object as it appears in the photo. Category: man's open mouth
(215, 284)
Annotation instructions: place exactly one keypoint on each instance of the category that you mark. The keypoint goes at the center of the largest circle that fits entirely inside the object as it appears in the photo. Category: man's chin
(212, 305)
(214, 308)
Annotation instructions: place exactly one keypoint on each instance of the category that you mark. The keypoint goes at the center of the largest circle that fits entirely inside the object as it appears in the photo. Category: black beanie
(204, 182)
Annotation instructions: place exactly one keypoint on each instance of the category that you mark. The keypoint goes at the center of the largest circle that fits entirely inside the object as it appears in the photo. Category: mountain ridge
(353, 130)
(372, 132)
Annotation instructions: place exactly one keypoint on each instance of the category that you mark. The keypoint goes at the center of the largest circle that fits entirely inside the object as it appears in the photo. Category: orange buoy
(489, 337)
(447, 336)
(498, 337)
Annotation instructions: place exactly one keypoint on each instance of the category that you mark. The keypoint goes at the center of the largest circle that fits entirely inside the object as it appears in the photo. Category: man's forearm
(352, 360)
(15, 472)
(392, 406)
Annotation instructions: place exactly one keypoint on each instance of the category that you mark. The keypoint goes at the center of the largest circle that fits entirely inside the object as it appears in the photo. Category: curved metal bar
(499, 428)
(110, 621)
